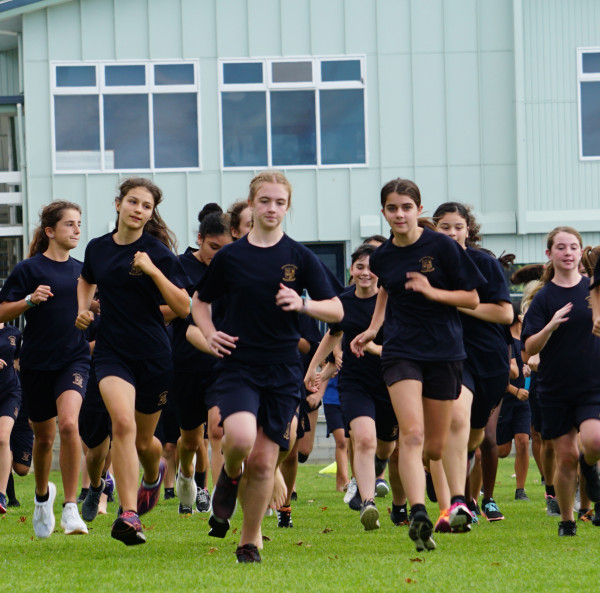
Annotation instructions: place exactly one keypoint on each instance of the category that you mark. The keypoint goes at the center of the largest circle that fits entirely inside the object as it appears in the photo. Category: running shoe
(567, 528)
(429, 487)
(70, 520)
(284, 517)
(552, 508)
(460, 518)
(3, 504)
(473, 507)
(369, 515)
(490, 510)
(202, 500)
(247, 553)
(382, 488)
(399, 515)
(183, 510)
(82, 495)
(186, 489)
(442, 525)
(148, 496)
(350, 491)
(380, 465)
(13, 502)
(127, 528)
(89, 507)
(420, 531)
(355, 502)
(294, 496)
(224, 502)
(520, 494)
(109, 487)
(43, 514)
(592, 479)
(585, 515)
(169, 493)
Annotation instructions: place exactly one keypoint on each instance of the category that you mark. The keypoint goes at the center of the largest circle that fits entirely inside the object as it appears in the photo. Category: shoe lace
(492, 506)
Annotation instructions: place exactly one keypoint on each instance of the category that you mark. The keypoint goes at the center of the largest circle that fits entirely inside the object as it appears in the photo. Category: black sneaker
(567, 528)
(520, 494)
(89, 507)
(420, 531)
(82, 495)
(247, 553)
(429, 487)
(585, 515)
(473, 506)
(399, 515)
(369, 515)
(224, 502)
(284, 517)
(128, 529)
(202, 500)
(355, 502)
(169, 493)
(185, 510)
(294, 495)
(490, 510)
(592, 479)
(552, 508)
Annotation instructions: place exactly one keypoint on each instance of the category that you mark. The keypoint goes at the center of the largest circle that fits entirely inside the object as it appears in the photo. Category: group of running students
(423, 344)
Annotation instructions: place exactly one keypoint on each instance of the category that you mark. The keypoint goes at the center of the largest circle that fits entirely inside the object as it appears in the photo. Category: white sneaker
(351, 491)
(71, 522)
(43, 514)
(186, 489)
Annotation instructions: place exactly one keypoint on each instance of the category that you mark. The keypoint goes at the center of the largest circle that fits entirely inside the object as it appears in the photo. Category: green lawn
(327, 550)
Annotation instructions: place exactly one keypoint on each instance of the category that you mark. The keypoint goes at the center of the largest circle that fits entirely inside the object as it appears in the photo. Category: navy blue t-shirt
(596, 278)
(131, 324)
(10, 348)
(569, 361)
(517, 346)
(250, 277)
(415, 327)
(50, 338)
(357, 318)
(485, 342)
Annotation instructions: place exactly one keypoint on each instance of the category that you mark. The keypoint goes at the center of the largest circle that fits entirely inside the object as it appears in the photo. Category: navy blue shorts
(441, 380)
(94, 425)
(21, 440)
(41, 389)
(487, 394)
(514, 418)
(167, 429)
(303, 418)
(188, 398)
(152, 378)
(335, 418)
(269, 392)
(10, 403)
(560, 417)
(356, 401)
(536, 414)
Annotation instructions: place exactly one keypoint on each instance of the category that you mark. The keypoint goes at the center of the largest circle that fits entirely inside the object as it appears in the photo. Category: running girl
(424, 276)
(134, 271)
(263, 274)
(54, 358)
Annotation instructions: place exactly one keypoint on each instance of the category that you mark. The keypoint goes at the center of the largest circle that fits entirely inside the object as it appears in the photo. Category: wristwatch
(29, 302)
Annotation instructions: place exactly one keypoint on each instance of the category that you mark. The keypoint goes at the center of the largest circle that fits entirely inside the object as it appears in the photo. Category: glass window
(338, 70)
(125, 75)
(175, 130)
(292, 71)
(591, 62)
(242, 73)
(342, 126)
(293, 128)
(244, 129)
(590, 118)
(174, 74)
(126, 132)
(76, 76)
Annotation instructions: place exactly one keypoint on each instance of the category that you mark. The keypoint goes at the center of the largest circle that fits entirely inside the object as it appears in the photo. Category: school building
(495, 103)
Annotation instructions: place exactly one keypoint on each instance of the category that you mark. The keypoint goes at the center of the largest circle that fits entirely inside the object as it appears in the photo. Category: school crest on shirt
(26, 456)
(162, 398)
(12, 340)
(589, 301)
(286, 435)
(426, 264)
(134, 270)
(394, 434)
(16, 412)
(289, 272)
(78, 380)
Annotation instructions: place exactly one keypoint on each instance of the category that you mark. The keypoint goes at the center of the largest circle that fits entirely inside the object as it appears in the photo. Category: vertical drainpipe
(521, 136)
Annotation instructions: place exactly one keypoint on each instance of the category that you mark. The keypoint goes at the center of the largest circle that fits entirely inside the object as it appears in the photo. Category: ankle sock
(200, 479)
(458, 498)
(43, 498)
(10, 487)
(550, 490)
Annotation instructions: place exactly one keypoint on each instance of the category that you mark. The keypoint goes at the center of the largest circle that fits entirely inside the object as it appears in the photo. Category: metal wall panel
(9, 72)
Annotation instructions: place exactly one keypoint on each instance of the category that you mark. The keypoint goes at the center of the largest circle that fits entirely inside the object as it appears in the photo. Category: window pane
(174, 74)
(590, 62)
(126, 137)
(342, 126)
(175, 130)
(125, 75)
(590, 118)
(242, 73)
(336, 70)
(76, 76)
(292, 71)
(293, 128)
(244, 129)
(77, 132)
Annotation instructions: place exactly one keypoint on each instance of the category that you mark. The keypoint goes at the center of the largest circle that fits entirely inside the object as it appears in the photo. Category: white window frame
(149, 89)
(316, 85)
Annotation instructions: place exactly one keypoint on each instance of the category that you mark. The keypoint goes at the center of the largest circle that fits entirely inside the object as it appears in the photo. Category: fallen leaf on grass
(22, 519)
(496, 564)
(323, 508)
(334, 558)
(234, 530)
(299, 543)
(266, 538)
(147, 527)
(409, 580)
(311, 500)
(212, 550)
(416, 559)
(327, 530)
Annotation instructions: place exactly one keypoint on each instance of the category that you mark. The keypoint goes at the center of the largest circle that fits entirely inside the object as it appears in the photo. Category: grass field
(327, 550)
